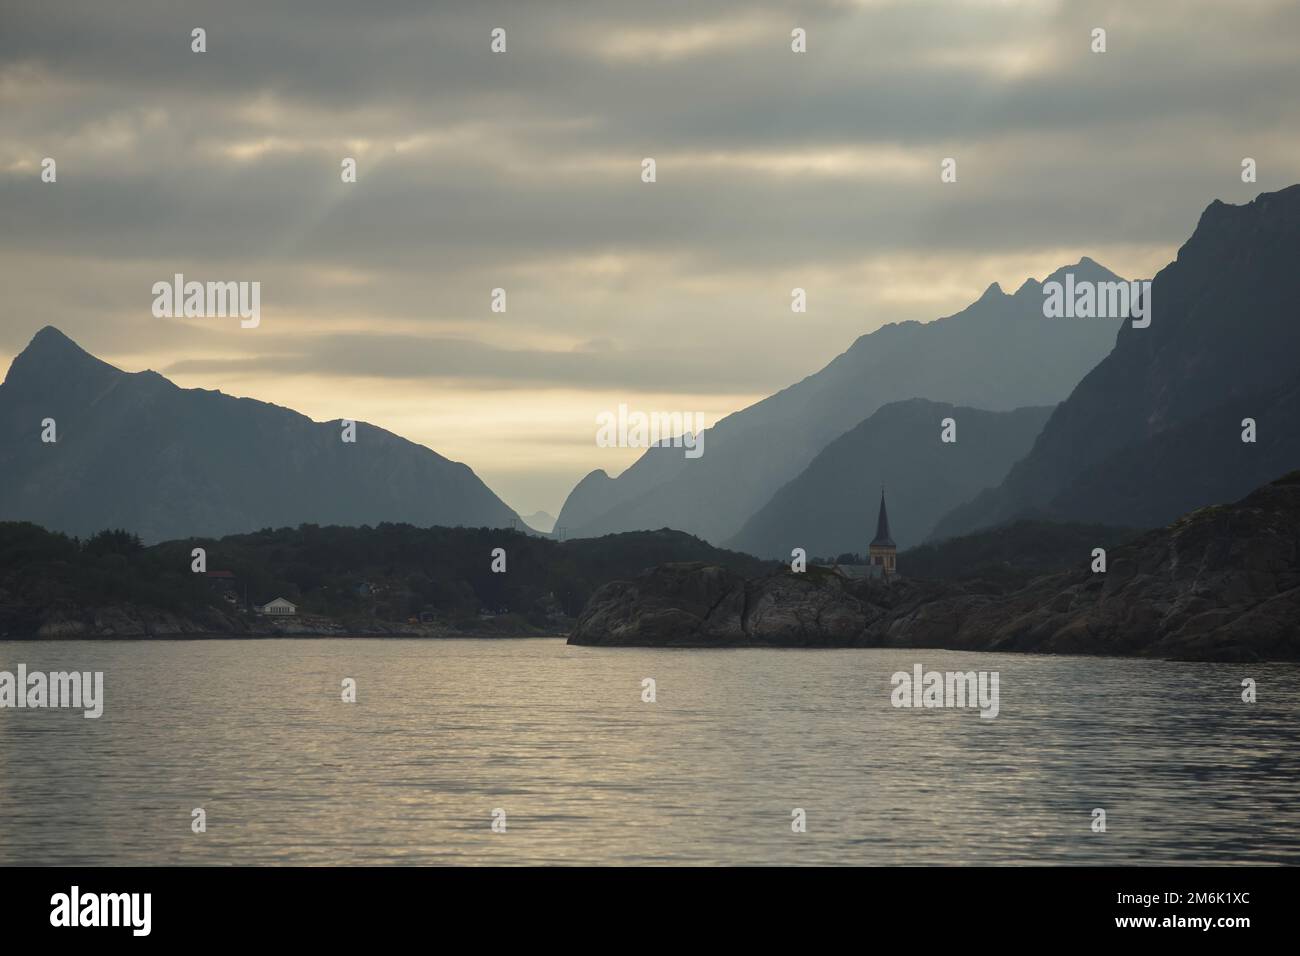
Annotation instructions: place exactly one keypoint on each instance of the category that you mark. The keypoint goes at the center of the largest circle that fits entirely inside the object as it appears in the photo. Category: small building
(278, 607)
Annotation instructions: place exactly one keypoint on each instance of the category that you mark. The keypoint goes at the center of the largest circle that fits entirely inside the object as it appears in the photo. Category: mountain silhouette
(135, 451)
(830, 508)
(1155, 429)
(999, 353)
(540, 521)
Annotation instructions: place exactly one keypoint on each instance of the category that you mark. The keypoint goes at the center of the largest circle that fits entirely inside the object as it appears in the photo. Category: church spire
(883, 538)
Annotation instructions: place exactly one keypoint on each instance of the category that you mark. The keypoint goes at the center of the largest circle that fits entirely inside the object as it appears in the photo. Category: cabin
(279, 607)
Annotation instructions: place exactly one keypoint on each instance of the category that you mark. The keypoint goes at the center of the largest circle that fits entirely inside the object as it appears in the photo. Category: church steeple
(883, 538)
(883, 553)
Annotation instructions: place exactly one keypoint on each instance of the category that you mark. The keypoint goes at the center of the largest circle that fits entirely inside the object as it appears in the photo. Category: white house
(279, 606)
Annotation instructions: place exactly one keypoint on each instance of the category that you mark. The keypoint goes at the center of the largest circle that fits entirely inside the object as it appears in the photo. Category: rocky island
(1220, 584)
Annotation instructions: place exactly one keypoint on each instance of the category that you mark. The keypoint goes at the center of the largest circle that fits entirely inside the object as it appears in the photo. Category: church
(882, 553)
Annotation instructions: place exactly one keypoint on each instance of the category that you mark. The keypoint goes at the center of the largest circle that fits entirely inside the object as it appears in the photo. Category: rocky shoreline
(118, 622)
(1220, 584)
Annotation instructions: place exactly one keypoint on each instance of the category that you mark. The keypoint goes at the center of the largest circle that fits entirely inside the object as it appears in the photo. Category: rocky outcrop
(688, 603)
(1222, 583)
(695, 604)
(126, 621)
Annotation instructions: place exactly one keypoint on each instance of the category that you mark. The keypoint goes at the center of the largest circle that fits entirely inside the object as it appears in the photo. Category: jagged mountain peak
(998, 353)
(1154, 429)
(51, 355)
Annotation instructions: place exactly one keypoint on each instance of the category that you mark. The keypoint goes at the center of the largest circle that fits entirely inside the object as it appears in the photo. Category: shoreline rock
(1220, 584)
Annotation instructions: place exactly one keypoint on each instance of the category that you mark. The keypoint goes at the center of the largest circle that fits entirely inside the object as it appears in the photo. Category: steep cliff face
(1222, 583)
(1155, 429)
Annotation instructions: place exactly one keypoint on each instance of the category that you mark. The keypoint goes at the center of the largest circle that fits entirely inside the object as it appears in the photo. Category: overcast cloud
(522, 171)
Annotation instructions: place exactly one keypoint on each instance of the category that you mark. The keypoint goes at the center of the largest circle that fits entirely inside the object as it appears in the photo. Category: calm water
(444, 732)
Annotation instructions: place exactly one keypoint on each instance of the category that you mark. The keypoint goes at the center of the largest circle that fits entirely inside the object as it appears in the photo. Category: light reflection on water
(445, 731)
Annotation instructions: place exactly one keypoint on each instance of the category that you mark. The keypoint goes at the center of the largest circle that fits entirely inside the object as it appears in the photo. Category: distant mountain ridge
(540, 521)
(830, 507)
(1155, 429)
(135, 451)
(999, 353)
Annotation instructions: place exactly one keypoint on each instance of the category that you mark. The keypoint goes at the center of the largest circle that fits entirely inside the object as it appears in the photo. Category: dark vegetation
(1012, 553)
(392, 572)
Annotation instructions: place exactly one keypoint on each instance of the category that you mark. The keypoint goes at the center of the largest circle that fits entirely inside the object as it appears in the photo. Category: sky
(522, 171)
